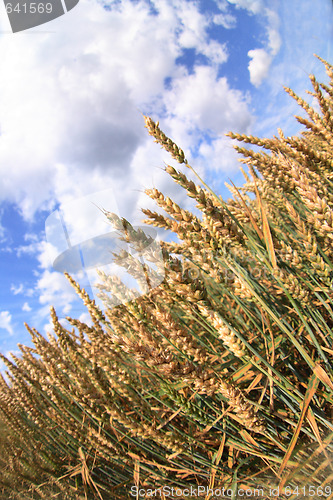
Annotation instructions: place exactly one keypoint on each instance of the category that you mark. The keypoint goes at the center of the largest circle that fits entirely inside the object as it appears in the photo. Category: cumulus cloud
(204, 106)
(259, 65)
(205, 101)
(54, 289)
(194, 35)
(26, 307)
(261, 58)
(6, 322)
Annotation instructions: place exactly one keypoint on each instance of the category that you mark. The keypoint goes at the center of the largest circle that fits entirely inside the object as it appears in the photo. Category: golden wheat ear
(160, 137)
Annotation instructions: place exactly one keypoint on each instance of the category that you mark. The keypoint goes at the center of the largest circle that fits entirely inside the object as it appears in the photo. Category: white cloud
(259, 65)
(86, 318)
(194, 35)
(5, 322)
(261, 58)
(2, 233)
(17, 289)
(273, 31)
(31, 248)
(203, 103)
(221, 155)
(253, 6)
(54, 289)
(26, 307)
(6, 249)
(22, 290)
(228, 21)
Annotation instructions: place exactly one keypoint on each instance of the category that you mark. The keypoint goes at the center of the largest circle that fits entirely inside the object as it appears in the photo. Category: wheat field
(218, 381)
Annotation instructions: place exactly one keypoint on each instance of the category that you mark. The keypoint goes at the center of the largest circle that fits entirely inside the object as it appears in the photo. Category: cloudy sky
(72, 136)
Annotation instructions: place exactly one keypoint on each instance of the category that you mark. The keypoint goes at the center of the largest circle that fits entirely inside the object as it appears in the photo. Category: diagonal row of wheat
(219, 376)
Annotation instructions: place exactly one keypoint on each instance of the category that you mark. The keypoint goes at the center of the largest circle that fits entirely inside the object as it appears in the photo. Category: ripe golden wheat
(222, 374)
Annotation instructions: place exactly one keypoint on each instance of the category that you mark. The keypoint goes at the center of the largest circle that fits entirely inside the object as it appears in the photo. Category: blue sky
(71, 130)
